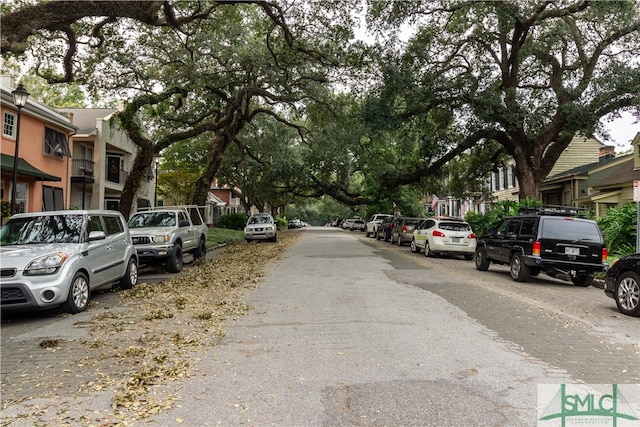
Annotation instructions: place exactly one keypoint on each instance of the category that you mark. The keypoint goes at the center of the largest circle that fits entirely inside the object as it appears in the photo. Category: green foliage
(619, 228)
(234, 221)
(480, 223)
(281, 223)
(5, 209)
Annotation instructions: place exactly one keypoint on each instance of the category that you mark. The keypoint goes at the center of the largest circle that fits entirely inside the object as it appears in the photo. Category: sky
(622, 131)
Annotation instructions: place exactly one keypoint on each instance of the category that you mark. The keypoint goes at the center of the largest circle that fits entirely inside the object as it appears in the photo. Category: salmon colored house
(43, 167)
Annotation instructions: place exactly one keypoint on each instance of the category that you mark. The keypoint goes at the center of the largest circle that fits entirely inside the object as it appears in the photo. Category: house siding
(34, 118)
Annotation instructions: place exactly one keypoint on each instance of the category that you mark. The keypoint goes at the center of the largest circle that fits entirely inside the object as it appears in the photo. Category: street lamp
(20, 96)
(155, 194)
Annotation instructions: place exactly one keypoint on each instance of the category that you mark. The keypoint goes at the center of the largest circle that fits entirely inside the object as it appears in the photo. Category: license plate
(456, 239)
(572, 251)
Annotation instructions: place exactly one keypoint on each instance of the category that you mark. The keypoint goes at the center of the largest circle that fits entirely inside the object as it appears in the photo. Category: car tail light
(605, 254)
(437, 233)
(404, 228)
(471, 236)
(536, 249)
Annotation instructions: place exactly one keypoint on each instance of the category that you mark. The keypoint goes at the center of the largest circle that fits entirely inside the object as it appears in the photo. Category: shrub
(619, 228)
(480, 223)
(281, 223)
(234, 221)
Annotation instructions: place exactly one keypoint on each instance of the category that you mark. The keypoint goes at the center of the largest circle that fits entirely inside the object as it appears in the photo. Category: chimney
(607, 152)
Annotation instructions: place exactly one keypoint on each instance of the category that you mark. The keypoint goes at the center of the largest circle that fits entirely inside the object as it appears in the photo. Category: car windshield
(454, 226)
(152, 219)
(259, 220)
(569, 229)
(42, 229)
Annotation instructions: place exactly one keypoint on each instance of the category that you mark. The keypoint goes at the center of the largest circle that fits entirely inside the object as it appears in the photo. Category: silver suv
(261, 226)
(51, 259)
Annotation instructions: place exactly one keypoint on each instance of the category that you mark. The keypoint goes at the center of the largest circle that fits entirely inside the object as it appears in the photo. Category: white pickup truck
(374, 222)
(163, 235)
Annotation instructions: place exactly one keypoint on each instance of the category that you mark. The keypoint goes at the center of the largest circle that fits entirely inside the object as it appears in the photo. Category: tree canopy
(368, 122)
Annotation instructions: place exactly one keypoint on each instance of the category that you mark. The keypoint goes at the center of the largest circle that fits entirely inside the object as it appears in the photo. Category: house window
(111, 204)
(9, 125)
(21, 197)
(55, 143)
(114, 168)
(496, 179)
(505, 177)
(52, 198)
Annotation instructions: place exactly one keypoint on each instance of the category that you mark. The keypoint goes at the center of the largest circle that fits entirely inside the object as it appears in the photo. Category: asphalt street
(347, 330)
(351, 331)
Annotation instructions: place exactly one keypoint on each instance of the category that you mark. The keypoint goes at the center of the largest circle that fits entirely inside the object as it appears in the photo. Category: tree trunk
(143, 160)
(216, 149)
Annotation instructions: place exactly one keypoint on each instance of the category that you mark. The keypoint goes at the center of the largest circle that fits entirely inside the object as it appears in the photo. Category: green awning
(25, 168)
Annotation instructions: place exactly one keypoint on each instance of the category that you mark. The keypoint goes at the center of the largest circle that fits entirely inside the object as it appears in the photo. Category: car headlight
(162, 238)
(48, 264)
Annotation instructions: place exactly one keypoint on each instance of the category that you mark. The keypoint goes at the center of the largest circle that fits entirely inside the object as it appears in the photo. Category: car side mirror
(97, 235)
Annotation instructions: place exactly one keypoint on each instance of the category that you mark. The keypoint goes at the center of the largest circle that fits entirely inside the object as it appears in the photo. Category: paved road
(348, 330)
(351, 331)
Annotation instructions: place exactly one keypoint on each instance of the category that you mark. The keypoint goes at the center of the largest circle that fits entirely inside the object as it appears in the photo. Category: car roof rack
(553, 210)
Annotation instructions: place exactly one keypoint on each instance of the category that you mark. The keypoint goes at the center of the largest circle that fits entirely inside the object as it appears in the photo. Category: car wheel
(414, 248)
(427, 250)
(367, 234)
(519, 271)
(482, 263)
(627, 293)
(130, 277)
(201, 250)
(174, 263)
(468, 257)
(78, 298)
(583, 281)
(274, 238)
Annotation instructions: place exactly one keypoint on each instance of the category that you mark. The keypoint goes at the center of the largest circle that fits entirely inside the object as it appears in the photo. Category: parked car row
(432, 236)
(561, 243)
(353, 224)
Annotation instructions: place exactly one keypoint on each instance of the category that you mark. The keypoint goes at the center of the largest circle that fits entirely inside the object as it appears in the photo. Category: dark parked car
(622, 283)
(294, 223)
(555, 241)
(384, 229)
(402, 231)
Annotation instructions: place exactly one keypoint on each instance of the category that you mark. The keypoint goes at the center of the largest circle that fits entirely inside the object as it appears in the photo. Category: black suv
(554, 241)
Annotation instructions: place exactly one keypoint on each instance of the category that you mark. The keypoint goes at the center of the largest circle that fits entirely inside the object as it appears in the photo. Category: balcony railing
(82, 167)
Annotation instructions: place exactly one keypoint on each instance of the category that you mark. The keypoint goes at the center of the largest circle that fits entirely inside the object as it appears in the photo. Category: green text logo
(583, 406)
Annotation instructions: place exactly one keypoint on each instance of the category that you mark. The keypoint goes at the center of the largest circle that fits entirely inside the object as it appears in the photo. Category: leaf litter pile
(153, 337)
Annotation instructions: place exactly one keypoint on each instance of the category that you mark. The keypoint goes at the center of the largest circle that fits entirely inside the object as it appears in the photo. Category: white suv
(374, 222)
(442, 235)
(51, 259)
